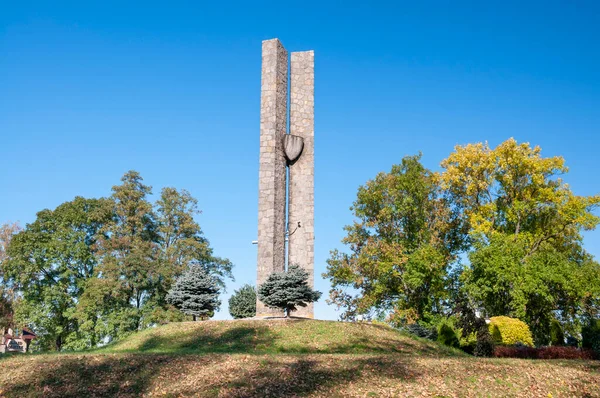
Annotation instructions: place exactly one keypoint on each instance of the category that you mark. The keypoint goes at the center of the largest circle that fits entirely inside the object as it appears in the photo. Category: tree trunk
(194, 318)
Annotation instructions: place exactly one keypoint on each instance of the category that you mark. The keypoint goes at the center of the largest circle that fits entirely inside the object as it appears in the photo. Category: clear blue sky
(89, 90)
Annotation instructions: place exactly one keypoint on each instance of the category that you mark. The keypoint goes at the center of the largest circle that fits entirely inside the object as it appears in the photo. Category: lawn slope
(287, 359)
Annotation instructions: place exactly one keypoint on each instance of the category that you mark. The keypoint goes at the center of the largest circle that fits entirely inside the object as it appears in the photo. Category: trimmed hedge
(510, 331)
(553, 352)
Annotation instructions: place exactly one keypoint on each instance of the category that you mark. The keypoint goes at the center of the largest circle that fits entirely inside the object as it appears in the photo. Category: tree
(195, 293)
(182, 243)
(7, 292)
(94, 270)
(404, 239)
(7, 231)
(128, 257)
(527, 259)
(287, 290)
(49, 263)
(242, 304)
(470, 323)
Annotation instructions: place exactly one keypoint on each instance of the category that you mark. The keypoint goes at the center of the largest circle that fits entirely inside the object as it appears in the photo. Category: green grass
(287, 359)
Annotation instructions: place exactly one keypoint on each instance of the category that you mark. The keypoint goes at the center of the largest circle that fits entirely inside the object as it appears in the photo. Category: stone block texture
(272, 168)
(301, 249)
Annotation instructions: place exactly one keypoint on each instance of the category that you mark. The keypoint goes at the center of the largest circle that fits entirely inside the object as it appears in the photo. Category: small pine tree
(287, 290)
(242, 304)
(195, 293)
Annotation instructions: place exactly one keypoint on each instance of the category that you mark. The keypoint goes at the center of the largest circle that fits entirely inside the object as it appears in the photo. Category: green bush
(242, 304)
(447, 336)
(590, 335)
(510, 331)
(557, 336)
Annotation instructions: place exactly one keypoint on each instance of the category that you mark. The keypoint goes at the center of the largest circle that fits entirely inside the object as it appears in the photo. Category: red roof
(27, 334)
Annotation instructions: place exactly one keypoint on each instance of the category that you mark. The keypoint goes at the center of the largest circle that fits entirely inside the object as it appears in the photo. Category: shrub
(485, 345)
(551, 352)
(447, 336)
(422, 331)
(242, 304)
(557, 336)
(510, 331)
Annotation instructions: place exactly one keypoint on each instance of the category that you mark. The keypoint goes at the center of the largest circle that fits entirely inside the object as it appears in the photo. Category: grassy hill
(276, 336)
(287, 358)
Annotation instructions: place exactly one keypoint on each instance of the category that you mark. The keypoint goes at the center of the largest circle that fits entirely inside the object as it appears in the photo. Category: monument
(286, 171)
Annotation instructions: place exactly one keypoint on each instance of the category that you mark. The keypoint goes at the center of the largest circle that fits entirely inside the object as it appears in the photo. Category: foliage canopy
(95, 270)
(496, 228)
(404, 238)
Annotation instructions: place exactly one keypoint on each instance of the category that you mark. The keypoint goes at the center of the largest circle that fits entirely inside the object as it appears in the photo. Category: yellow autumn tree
(525, 225)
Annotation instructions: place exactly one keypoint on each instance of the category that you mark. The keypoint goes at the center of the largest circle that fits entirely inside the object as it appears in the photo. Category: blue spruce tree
(287, 290)
(195, 293)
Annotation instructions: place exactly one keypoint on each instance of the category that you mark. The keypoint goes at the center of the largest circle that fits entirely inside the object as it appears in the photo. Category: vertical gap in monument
(287, 221)
(286, 240)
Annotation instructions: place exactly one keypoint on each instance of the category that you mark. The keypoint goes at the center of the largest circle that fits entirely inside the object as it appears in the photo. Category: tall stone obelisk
(272, 169)
(279, 150)
(301, 245)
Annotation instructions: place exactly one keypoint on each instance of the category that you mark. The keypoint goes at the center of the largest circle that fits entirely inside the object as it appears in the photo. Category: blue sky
(89, 90)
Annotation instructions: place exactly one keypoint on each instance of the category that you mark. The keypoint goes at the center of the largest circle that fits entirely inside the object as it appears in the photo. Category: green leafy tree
(182, 242)
(195, 293)
(7, 292)
(129, 271)
(288, 290)
(527, 259)
(242, 304)
(94, 270)
(50, 263)
(405, 236)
